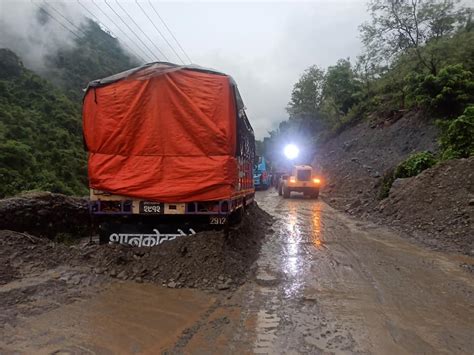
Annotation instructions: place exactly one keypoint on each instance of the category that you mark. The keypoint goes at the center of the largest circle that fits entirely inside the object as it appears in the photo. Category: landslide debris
(206, 260)
(45, 214)
(355, 161)
(436, 206)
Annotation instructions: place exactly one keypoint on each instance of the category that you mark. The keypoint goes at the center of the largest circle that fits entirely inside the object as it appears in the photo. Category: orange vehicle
(302, 179)
(166, 140)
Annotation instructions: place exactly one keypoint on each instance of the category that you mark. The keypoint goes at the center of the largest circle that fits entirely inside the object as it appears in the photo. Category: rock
(223, 286)
(122, 275)
(398, 184)
(471, 202)
(171, 284)
(43, 213)
(355, 204)
(113, 273)
(99, 270)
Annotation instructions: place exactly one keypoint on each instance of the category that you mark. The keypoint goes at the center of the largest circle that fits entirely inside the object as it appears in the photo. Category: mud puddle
(124, 318)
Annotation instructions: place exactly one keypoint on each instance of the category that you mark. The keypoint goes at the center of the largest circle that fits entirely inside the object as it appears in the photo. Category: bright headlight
(291, 151)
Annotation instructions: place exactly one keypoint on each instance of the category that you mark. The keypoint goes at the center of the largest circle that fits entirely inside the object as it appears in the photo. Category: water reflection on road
(342, 287)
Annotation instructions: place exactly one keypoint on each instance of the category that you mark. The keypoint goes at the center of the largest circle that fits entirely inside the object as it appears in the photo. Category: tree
(447, 93)
(401, 26)
(307, 93)
(341, 85)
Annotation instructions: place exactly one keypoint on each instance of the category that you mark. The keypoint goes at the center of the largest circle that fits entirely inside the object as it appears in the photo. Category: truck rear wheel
(286, 192)
(236, 216)
(280, 190)
(314, 194)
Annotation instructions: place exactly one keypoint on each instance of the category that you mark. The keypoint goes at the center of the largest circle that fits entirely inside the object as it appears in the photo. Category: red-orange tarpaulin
(162, 133)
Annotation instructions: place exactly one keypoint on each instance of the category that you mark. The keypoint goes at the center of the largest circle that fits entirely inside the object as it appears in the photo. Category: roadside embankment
(207, 260)
(435, 207)
(45, 214)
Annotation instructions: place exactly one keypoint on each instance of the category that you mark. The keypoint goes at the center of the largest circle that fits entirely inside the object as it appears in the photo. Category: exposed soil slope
(434, 207)
(354, 161)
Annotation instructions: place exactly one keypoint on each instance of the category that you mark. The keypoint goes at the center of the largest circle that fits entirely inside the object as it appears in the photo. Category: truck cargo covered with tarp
(164, 132)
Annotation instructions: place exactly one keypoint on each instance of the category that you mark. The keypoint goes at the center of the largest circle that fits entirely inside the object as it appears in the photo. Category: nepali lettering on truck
(163, 141)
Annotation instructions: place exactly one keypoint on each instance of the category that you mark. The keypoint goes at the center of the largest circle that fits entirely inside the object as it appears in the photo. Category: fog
(265, 46)
(32, 35)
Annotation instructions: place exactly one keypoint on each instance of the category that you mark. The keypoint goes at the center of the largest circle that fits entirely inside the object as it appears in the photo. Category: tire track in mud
(290, 318)
(327, 283)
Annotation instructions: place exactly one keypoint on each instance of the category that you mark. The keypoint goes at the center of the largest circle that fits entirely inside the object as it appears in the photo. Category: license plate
(217, 220)
(149, 207)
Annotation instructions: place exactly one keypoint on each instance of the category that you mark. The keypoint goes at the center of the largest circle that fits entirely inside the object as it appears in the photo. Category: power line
(108, 29)
(171, 33)
(126, 24)
(70, 22)
(153, 43)
(64, 17)
(161, 34)
(122, 31)
(55, 19)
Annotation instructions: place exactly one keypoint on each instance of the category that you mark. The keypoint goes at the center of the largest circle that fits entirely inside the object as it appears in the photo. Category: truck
(261, 176)
(170, 147)
(302, 179)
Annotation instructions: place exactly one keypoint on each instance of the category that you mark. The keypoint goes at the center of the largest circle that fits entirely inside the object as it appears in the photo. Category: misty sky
(265, 46)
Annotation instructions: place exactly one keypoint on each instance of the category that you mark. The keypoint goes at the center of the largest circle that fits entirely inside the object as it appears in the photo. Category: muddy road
(323, 283)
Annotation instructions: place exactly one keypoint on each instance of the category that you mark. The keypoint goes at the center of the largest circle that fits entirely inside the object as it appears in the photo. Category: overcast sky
(265, 46)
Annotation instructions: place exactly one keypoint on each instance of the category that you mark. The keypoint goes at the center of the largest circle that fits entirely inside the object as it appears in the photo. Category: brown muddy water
(125, 317)
(324, 283)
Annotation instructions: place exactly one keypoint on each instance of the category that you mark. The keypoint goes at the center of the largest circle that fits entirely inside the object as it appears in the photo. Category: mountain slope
(40, 133)
(40, 113)
(95, 55)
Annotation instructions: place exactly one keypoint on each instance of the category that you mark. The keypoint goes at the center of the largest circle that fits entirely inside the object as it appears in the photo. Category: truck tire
(280, 190)
(314, 194)
(236, 217)
(286, 192)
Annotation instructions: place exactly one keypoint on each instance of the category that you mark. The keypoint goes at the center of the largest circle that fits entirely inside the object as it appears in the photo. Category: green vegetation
(457, 137)
(412, 166)
(95, 55)
(41, 145)
(40, 134)
(415, 164)
(446, 93)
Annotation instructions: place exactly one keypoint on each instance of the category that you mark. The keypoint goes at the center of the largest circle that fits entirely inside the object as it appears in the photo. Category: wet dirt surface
(323, 283)
(332, 284)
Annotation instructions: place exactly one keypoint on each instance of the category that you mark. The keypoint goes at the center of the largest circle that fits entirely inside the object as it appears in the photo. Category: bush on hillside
(447, 93)
(457, 137)
(412, 166)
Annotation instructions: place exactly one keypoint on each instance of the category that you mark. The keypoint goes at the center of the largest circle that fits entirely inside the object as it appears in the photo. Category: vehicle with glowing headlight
(302, 179)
